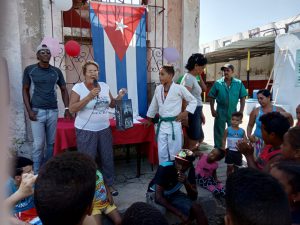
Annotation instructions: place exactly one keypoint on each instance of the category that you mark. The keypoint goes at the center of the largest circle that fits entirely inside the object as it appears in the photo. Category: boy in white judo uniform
(167, 102)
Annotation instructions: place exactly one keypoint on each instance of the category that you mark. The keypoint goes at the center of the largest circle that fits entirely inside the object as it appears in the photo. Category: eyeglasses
(92, 71)
(44, 52)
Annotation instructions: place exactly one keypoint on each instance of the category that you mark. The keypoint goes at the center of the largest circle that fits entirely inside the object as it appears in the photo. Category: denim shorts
(194, 131)
(178, 199)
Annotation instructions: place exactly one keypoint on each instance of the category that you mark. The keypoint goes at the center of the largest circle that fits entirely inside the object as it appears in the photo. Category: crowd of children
(70, 190)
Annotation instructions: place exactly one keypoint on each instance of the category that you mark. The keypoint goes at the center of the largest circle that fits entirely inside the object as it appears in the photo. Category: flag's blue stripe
(98, 44)
(141, 65)
(121, 73)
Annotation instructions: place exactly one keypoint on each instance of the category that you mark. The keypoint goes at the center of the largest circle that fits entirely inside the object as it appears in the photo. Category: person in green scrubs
(226, 91)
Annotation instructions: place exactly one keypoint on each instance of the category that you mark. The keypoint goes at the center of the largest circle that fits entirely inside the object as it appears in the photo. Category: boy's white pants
(168, 148)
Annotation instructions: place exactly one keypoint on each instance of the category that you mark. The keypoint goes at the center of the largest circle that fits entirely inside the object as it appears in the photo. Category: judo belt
(166, 119)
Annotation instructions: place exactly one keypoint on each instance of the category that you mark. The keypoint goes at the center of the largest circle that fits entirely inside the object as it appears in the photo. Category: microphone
(95, 83)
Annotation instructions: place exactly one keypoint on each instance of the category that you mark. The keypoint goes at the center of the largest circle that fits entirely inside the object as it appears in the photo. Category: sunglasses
(44, 52)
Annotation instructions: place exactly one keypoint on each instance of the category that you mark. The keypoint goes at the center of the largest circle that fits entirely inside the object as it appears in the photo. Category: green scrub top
(227, 97)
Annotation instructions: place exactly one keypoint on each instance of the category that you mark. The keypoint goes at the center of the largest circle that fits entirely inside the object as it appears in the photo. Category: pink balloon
(53, 45)
(171, 54)
(72, 48)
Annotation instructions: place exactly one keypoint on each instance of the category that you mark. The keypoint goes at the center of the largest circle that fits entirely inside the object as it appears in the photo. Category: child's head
(274, 126)
(142, 213)
(236, 119)
(298, 112)
(215, 155)
(65, 188)
(291, 144)
(255, 198)
(288, 174)
(166, 74)
(22, 165)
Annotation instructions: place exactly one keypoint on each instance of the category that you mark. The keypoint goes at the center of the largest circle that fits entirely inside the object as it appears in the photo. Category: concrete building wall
(260, 68)
(11, 51)
(190, 28)
(174, 14)
(27, 23)
(157, 23)
(181, 30)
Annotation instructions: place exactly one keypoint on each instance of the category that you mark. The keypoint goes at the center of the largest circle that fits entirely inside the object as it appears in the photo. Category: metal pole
(248, 70)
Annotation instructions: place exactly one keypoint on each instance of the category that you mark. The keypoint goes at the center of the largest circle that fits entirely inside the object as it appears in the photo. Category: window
(206, 50)
(225, 43)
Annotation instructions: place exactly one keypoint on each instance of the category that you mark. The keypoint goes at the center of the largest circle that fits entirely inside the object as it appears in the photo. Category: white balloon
(63, 5)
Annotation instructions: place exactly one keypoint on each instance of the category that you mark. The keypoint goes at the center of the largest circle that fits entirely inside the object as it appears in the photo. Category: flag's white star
(121, 26)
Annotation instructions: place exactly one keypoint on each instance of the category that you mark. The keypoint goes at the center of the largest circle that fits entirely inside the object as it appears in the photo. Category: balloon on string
(72, 48)
(63, 5)
(53, 45)
(171, 54)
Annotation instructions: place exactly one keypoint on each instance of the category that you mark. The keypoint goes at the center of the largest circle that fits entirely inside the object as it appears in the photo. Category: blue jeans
(43, 130)
(179, 200)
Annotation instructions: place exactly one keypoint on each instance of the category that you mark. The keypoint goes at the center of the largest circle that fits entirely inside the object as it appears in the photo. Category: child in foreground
(233, 134)
(164, 190)
(291, 144)
(274, 127)
(288, 174)
(255, 198)
(206, 171)
(18, 197)
(103, 203)
(64, 189)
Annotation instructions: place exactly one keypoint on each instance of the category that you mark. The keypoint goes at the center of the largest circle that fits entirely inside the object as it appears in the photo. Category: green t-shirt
(181, 77)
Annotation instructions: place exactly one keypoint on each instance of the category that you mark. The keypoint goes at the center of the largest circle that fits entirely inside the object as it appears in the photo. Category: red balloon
(72, 48)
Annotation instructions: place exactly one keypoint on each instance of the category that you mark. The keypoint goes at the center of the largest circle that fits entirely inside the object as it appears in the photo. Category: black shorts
(234, 158)
(194, 131)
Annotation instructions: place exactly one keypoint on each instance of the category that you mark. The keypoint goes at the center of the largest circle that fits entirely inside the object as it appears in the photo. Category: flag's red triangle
(109, 14)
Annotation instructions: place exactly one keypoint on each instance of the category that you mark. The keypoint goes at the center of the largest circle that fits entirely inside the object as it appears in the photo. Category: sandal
(113, 191)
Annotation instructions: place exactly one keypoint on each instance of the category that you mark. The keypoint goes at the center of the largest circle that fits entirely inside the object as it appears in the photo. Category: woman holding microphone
(91, 101)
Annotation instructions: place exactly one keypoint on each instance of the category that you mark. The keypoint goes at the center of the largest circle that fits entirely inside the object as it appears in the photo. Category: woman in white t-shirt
(91, 101)
(195, 66)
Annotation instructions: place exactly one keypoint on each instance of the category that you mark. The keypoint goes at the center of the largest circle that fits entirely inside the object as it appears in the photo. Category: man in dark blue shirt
(164, 189)
(41, 106)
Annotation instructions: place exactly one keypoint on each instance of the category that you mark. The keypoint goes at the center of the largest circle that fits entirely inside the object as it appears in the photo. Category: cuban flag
(119, 43)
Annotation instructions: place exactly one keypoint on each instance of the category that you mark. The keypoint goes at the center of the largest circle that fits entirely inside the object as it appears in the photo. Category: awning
(238, 50)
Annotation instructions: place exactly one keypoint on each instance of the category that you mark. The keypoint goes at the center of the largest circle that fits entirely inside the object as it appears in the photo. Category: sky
(221, 18)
